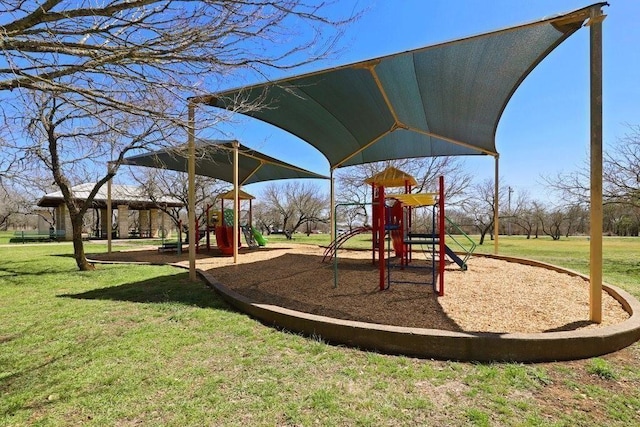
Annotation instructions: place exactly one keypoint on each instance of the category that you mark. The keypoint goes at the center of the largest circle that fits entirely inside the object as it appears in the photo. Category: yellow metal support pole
(109, 211)
(332, 205)
(191, 170)
(236, 203)
(595, 296)
(496, 206)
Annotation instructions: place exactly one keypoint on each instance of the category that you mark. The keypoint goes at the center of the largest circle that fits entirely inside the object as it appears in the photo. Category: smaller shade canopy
(214, 158)
(242, 195)
(416, 200)
(391, 177)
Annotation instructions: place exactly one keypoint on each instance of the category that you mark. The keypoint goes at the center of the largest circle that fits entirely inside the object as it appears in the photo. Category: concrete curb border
(438, 344)
(447, 345)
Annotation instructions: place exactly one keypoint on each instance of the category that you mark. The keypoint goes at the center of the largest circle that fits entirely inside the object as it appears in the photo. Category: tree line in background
(302, 206)
(471, 205)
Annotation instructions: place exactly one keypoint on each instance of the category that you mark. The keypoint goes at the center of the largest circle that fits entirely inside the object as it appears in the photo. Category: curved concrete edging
(439, 344)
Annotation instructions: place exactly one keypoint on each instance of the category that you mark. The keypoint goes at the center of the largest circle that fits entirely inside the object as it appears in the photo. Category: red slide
(398, 243)
(224, 236)
(396, 217)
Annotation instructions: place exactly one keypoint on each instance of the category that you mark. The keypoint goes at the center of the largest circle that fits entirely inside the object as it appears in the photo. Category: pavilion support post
(236, 203)
(332, 204)
(496, 206)
(109, 218)
(191, 171)
(595, 241)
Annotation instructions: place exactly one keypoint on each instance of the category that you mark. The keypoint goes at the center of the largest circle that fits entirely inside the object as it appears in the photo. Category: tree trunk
(78, 244)
(481, 239)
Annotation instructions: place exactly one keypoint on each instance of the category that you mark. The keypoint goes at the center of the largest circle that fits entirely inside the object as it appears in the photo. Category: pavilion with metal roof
(125, 197)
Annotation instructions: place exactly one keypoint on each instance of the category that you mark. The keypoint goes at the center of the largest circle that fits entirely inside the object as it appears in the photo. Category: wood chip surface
(491, 296)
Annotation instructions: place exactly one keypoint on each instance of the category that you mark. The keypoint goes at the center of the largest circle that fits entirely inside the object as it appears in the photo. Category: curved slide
(259, 237)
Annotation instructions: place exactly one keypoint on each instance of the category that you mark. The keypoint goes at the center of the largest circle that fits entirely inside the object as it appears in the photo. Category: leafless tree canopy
(481, 207)
(351, 187)
(87, 47)
(13, 206)
(425, 170)
(162, 183)
(291, 205)
(621, 174)
(86, 82)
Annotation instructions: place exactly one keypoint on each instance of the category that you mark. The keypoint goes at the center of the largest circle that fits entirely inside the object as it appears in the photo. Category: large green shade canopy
(214, 158)
(441, 100)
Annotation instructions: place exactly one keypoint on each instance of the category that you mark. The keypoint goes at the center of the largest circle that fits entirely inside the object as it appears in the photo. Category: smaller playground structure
(393, 223)
(220, 222)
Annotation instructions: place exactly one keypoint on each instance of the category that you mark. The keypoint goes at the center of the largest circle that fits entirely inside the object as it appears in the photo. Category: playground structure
(392, 218)
(221, 223)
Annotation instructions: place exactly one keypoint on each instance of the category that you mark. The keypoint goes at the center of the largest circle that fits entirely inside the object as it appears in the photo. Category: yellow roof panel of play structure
(414, 200)
(241, 195)
(391, 177)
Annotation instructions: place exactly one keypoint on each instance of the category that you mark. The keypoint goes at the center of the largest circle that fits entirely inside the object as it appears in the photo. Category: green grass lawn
(141, 345)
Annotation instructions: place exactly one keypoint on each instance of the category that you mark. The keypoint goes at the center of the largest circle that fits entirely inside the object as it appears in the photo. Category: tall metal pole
(441, 236)
(109, 210)
(595, 296)
(191, 170)
(496, 225)
(332, 204)
(236, 202)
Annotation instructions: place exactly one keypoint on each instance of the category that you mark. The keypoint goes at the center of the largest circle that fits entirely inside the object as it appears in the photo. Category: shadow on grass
(166, 289)
(33, 267)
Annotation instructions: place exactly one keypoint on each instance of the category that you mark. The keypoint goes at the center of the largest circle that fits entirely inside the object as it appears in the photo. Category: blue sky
(545, 127)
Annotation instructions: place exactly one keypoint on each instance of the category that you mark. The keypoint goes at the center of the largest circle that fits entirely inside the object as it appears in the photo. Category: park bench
(24, 236)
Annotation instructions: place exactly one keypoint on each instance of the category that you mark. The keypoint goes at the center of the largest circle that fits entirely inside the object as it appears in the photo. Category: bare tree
(552, 222)
(425, 170)
(352, 216)
(158, 183)
(481, 207)
(274, 196)
(297, 204)
(172, 44)
(309, 203)
(621, 184)
(621, 175)
(265, 217)
(12, 203)
(66, 136)
(621, 220)
(523, 215)
(577, 220)
(621, 170)
(88, 83)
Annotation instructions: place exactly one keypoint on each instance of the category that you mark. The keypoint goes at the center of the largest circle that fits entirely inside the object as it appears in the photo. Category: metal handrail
(464, 249)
